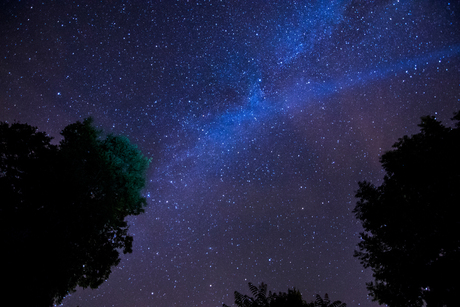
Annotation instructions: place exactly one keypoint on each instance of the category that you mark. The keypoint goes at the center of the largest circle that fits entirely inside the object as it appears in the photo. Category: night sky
(260, 118)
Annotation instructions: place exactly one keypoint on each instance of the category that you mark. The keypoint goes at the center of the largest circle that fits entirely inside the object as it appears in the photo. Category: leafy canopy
(411, 239)
(63, 208)
(293, 298)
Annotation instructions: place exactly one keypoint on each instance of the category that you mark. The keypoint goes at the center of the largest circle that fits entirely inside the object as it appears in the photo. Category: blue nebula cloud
(297, 57)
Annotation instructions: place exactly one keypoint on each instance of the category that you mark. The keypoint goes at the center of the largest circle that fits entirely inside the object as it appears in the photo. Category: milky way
(260, 118)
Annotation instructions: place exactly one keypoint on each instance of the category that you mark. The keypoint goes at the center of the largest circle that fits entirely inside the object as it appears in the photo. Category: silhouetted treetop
(411, 239)
(63, 208)
(293, 298)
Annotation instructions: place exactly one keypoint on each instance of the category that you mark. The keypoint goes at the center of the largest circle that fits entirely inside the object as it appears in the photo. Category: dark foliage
(326, 302)
(63, 209)
(292, 298)
(411, 239)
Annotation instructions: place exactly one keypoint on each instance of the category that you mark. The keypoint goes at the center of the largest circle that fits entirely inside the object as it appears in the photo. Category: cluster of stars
(260, 119)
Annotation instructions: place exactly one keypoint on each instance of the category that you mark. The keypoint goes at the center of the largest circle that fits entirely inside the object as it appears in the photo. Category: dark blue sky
(260, 118)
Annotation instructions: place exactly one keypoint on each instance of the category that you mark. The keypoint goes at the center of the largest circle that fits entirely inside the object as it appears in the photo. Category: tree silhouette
(63, 208)
(259, 297)
(326, 302)
(411, 239)
(293, 298)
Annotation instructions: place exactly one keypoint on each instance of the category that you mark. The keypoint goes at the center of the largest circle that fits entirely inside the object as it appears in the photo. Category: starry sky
(260, 118)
